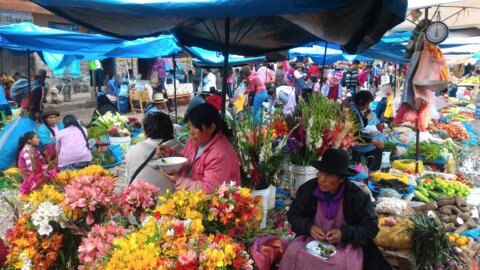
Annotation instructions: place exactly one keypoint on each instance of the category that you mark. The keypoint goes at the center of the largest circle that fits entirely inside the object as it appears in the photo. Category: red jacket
(255, 85)
(217, 164)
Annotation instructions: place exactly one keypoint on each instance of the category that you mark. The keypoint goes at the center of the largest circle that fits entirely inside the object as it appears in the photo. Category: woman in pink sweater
(72, 145)
(211, 158)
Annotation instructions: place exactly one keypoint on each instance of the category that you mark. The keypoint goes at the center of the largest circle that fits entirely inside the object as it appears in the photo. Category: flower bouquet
(320, 123)
(260, 150)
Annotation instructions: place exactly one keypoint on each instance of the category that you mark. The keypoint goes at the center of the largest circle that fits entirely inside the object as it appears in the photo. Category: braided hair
(23, 141)
(71, 120)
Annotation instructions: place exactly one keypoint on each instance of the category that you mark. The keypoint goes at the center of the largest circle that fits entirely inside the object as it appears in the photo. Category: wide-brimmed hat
(49, 110)
(42, 73)
(298, 65)
(334, 161)
(8, 79)
(158, 98)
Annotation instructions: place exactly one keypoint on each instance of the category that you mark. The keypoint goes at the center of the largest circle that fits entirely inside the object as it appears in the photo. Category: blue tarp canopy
(255, 27)
(381, 51)
(60, 47)
(205, 58)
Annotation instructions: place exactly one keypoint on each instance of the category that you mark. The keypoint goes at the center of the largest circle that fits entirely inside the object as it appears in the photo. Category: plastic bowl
(171, 164)
(402, 195)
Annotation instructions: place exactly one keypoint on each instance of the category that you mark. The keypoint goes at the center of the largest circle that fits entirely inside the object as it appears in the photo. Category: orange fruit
(460, 242)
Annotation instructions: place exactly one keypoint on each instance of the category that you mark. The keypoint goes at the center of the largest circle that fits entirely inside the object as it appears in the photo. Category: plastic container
(124, 142)
(264, 194)
(403, 195)
(300, 175)
(450, 168)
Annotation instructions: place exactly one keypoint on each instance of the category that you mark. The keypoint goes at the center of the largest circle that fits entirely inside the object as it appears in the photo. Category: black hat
(42, 73)
(334, 161)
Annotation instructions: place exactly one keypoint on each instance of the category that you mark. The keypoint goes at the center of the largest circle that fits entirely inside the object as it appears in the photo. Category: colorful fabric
(46, 136)
(76, 166)
(159, 67)
(29, 157)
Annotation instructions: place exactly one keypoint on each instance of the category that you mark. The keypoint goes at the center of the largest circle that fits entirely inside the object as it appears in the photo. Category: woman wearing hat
(332, 209)
(47, 132)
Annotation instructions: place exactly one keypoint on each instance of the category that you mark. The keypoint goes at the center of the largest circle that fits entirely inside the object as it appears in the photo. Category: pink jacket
(255, 85)
(217, 164)
(29, 157)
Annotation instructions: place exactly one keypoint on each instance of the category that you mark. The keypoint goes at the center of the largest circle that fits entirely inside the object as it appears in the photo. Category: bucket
(124, 143)
(264, 194)
(300, 175)
(271, 197)
(385, 160)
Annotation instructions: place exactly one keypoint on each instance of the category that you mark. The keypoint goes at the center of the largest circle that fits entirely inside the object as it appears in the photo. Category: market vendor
(104, 105)
(373, 150)
(158, 129)
(254, 87)
(332, 209)
(47, 132)
(211, 159)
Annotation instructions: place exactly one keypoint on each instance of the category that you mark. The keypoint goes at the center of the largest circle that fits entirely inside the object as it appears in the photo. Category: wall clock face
(437, 32)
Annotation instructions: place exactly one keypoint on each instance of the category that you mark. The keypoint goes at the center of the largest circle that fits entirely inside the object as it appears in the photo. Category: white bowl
(170, 164)
(314, 249)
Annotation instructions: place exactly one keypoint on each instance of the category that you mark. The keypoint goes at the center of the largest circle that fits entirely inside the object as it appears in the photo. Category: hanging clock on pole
(437, 32)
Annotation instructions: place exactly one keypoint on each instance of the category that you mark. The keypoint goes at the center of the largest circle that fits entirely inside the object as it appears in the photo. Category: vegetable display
(454, 130)
(431, 248)
(400, 187)
(102, 158)
(428, 151)
(455, 213)
(445, 187)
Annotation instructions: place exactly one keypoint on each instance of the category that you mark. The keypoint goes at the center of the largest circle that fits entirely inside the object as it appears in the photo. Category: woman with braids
(29, 158)
(72, 145)
(47, 132)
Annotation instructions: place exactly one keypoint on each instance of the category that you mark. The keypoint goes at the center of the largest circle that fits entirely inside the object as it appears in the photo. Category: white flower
(146, 220)
(187, 222)
(170, 232)
(27, 262)
(45, 229)
(319, 143)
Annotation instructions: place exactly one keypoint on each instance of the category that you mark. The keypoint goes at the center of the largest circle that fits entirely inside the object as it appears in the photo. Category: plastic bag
(116, 151)
(390, 205)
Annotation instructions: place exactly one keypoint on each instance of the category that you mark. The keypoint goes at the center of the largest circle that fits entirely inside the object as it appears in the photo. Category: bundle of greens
(428, 151)
(103, 158)
(431, 248)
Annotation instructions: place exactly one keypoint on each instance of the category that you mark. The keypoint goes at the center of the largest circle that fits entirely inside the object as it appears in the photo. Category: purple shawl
(330, 202)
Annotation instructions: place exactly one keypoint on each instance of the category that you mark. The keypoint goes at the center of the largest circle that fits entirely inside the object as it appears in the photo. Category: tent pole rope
(242, 24)
(174, 86)
(226, 53)
(323, 64)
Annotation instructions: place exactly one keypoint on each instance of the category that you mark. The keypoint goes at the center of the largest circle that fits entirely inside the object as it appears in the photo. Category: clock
(437, 32)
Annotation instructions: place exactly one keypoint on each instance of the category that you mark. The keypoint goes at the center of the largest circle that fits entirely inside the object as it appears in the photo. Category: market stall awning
(163, 45)
(380, 51)
(206, 58)
(256, 27)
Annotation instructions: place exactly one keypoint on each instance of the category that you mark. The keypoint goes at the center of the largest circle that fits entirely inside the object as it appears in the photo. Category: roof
(23, 6)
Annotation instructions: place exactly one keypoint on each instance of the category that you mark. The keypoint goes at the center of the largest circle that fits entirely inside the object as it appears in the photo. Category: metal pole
(226, 53)
(174, 85)
(28, 72)
(323, 64)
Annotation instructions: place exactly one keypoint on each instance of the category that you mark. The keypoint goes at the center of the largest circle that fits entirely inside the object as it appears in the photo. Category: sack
(9, 138)
(154, 80)
(395, 237)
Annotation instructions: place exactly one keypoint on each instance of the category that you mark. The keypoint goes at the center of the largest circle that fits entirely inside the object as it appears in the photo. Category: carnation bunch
(35, 180)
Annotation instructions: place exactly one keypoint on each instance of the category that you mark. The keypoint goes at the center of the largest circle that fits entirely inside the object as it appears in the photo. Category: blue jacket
(44, 133)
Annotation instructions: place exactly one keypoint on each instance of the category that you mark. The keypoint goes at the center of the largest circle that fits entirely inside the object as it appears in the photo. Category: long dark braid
(71, 120)
(50, 128)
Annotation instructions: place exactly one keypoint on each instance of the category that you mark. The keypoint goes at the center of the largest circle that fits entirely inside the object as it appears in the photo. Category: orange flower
(280, 127)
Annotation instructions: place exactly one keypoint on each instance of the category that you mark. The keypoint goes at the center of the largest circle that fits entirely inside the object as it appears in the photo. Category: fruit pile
(431, 187)
(457, 240)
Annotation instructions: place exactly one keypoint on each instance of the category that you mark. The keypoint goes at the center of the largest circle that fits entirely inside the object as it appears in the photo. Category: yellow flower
(64, 177)
(245, 193)
(47, 193)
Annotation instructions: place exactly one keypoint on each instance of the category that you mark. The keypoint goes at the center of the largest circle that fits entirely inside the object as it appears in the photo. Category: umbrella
(250, 27)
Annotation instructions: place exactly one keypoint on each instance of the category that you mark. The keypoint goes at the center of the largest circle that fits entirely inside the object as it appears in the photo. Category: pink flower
(137, 198)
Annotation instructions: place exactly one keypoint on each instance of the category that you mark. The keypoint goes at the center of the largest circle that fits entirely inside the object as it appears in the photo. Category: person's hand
(317, 233)
(334, 236)
(378, 144)
(173, 177)
(163, 150)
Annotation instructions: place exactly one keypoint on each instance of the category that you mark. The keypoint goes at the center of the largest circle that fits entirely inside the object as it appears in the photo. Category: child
(29, 158)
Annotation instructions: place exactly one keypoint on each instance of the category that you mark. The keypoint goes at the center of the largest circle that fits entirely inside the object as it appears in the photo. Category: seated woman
(72, 145)
(158, 129)
(332, 209)
(373, 151)
(47, 131)
(104, 105)
(211, 158)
